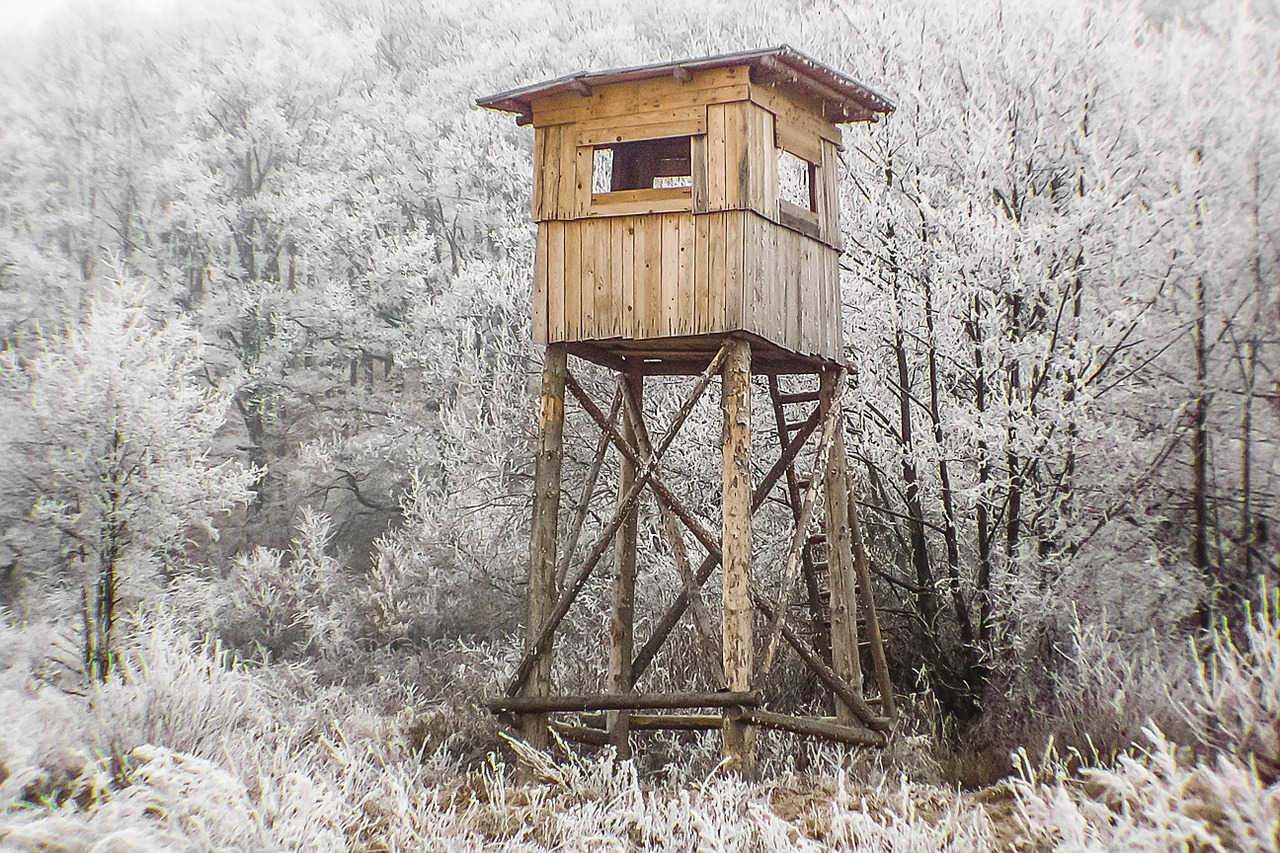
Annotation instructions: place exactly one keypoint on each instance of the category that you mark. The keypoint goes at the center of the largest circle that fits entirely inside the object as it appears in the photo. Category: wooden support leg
(622, 617)
(542, 545)
(844, 603)
(738, 736)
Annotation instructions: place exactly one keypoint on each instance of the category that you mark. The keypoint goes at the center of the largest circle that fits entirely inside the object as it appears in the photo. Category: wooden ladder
(816, 599)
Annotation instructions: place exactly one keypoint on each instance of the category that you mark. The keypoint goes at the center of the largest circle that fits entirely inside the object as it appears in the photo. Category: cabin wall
(719, 256)
(677, 274)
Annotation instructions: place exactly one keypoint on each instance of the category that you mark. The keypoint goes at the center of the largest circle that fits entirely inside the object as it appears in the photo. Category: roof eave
(782, 60)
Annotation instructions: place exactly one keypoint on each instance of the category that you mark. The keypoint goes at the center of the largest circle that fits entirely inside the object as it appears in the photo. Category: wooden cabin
(682, 201)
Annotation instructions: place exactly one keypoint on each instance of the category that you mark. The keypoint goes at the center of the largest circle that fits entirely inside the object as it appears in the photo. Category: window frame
(643, 200)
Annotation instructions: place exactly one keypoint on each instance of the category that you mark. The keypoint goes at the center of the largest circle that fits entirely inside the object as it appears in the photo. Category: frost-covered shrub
(284, 604)
(1154, 800)
(1092, 687)
(173, 691)
(1237, 706)
(42, 756)
(453, 568)
(918, 820)
(1109, 685)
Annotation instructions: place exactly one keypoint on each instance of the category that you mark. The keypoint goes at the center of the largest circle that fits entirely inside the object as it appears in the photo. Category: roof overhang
(843, 99)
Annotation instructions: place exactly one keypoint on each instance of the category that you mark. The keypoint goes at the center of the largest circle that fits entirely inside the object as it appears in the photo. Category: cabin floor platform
(690, 355)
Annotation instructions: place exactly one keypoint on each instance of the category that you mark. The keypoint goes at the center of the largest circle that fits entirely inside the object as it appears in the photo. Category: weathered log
(622, 702)
(811, 726)
(542, 544)
(738, 614)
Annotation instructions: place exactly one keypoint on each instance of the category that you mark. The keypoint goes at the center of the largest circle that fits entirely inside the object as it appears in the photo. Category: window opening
(601, 170)
(795, 181)
(644, 165)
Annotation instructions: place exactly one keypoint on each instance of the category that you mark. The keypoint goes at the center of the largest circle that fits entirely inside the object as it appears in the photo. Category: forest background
(268, 389)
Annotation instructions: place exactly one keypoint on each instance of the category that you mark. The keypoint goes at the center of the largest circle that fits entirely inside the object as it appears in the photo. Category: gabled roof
(843, 99)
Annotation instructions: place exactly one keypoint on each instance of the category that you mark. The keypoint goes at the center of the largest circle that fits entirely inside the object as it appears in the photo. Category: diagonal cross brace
(542, 644)
(673, 614)
(588, 492)
(639, 458)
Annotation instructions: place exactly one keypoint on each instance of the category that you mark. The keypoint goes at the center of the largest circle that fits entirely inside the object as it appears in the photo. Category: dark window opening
(645, 165)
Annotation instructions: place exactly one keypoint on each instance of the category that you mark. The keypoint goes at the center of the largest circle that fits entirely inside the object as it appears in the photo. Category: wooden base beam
(622, 702)
(811, 726)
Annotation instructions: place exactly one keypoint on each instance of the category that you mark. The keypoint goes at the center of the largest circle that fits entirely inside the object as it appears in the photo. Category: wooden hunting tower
(689, 224)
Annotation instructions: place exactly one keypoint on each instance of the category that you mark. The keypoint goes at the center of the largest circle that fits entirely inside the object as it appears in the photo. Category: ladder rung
(798, 397)
(793, 427)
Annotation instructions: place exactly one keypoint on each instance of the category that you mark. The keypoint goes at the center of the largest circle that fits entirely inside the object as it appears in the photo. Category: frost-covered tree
(124, 415)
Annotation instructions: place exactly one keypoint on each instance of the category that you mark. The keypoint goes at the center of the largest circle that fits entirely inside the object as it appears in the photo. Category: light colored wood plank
(596, 234)
(566, 201)
(795, 282)
(641, 97)
(572, 282)
(640, 202)
(781, 285)
(702, 282)
(685, 318)
(835, 307)
(791, 111)
(736, 166)
(810, 315)
(555, 281)
(716, 189)
(825, 318)
(583, 160)
(617, 236)
(648, 265)
(548, 174)
(764, 163)
(539, 158)
(670, 284)
(801, 142)
(734, 279)
(698, 171)
(539, 306)
(829, 211)
(586, 306)
(629, 320)
(690, 121)
(717, 256)
(758, 251)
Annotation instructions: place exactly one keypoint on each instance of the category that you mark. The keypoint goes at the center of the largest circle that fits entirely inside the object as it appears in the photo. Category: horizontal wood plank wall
(718, 85)
(795, 117)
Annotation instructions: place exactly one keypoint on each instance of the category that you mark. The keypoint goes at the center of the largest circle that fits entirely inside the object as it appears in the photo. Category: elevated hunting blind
(689, 224)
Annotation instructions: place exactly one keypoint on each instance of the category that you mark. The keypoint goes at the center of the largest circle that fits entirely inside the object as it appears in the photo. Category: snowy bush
(284, 604)
(1237, 709)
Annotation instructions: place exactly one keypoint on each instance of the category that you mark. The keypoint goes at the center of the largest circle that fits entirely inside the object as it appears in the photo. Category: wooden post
(542, 545)
(737, 735)
(844, 589)
(622, 617)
